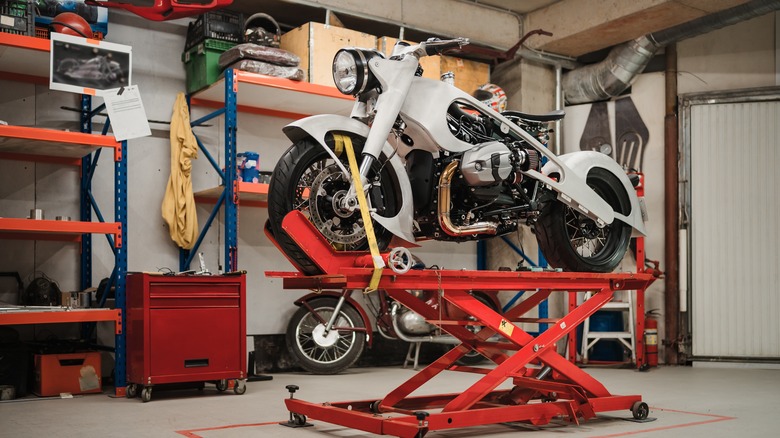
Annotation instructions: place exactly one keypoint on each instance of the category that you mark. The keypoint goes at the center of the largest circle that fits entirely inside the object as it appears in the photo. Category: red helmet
(69, 23)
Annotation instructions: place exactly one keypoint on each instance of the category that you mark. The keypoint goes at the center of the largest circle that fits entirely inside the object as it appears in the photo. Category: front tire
(325, 354)
(307, 179)
(571, 241)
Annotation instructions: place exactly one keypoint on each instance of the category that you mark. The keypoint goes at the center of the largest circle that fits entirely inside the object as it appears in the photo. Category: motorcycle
(436, 163)
(331, 351)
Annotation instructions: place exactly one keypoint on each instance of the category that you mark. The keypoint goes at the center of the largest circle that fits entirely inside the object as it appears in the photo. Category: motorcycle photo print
(87, 66)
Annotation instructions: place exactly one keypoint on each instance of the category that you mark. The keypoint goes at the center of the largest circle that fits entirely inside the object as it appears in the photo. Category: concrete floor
(686, 401)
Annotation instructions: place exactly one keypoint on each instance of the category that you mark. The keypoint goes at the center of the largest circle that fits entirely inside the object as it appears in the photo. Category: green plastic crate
(201, 63)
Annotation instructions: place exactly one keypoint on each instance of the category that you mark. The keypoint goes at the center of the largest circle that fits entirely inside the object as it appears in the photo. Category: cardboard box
(430, 64)
(317, 44)
(469, 75)
(76, 373)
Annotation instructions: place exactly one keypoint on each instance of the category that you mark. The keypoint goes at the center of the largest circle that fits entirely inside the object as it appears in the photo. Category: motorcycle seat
(549, 117)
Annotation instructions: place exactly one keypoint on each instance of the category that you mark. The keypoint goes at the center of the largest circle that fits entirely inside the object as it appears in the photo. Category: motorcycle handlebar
(435, 46)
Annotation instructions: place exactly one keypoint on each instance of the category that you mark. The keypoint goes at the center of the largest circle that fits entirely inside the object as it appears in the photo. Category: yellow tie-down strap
(344, 142)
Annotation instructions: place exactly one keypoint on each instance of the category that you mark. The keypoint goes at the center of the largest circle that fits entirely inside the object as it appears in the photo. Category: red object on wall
(163, 10)
(185, 328)
(76, 373)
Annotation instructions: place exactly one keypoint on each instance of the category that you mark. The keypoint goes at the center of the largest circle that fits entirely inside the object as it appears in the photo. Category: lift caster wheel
(131, 391)
(298, 419)
(222, 385)
(640, 410)
(146, 394)
(239, 387)
(374, 407)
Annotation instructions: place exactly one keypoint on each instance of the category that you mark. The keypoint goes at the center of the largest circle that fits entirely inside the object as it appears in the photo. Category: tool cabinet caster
(222, 385)
(131, 391)
(146, 394)
(240, 386)
(640, 410)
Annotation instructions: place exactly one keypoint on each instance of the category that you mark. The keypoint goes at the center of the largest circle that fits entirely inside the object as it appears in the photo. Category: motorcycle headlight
(350, 70)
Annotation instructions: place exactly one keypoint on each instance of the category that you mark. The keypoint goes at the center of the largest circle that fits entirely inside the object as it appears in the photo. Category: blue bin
(607, 350)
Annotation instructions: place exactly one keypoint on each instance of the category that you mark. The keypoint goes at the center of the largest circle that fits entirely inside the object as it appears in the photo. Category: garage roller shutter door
(734, 237)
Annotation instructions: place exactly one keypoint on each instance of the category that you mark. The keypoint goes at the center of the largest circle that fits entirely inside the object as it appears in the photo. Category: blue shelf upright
(88, 206)
(229, 196)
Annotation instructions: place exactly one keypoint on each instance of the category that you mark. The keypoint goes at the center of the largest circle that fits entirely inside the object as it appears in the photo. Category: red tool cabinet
(185, 329)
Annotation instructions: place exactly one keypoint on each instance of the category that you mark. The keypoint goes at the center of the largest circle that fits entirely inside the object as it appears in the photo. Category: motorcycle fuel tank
(487, 164)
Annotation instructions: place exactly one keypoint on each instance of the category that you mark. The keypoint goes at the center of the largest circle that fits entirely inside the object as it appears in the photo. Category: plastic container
(220, 25)
(248, 167)
(201, 63)
(17, 17)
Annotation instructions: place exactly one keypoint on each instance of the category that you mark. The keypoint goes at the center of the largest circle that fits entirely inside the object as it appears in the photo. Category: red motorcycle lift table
(546, 385)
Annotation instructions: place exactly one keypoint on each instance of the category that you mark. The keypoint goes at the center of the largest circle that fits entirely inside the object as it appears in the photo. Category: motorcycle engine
(413, 324)
(493, 162)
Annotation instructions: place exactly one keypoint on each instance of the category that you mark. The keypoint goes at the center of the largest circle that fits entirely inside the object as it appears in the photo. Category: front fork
(349, 202)
(336, 310)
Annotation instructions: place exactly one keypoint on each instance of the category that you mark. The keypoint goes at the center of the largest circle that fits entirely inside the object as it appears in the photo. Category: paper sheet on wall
(126, 110)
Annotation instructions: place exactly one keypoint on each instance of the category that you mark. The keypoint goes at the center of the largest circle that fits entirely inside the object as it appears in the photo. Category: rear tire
(573, 242)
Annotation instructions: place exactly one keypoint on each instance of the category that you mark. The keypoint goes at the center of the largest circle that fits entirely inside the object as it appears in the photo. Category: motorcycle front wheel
(326, 353)
(573, 242)
(308, 179)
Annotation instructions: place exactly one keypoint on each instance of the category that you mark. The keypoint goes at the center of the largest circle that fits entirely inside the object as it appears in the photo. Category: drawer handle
(71, 362)
(195, 363)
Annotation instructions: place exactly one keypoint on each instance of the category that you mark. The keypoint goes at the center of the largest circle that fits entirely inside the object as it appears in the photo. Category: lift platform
(545, 384)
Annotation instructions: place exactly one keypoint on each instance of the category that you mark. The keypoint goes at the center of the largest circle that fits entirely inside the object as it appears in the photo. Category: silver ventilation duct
(612, 76)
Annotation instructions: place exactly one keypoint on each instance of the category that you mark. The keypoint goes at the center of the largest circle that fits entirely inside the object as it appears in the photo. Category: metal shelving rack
(260, 95)
(24, 58)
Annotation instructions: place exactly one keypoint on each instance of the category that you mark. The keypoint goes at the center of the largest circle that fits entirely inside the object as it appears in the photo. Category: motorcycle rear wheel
(307, 179)
(318, 353)
(571, 241)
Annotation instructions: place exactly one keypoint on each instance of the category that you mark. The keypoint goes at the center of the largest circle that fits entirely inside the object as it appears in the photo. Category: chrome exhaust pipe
(445, 222)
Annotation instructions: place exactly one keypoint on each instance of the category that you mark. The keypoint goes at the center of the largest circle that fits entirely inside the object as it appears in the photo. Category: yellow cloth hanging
(178, 206)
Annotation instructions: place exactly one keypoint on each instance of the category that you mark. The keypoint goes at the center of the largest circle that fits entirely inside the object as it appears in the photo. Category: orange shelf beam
(23, 316)
(249, 194)
(288, 84)
(23, 226)
(25, 42)
(54, 143)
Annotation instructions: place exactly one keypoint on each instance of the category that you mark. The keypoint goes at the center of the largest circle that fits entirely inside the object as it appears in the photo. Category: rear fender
(582, 162)
(336, 295)
(318, 127)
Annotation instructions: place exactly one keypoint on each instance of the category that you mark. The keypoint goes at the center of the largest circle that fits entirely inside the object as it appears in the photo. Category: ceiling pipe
(625, 62)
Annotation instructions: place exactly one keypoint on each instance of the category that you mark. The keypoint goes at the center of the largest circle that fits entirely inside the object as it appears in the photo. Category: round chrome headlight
(350, 70)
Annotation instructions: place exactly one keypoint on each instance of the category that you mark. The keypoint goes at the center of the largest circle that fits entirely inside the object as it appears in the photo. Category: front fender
(318, 127)
(581, 163)
(351, 301)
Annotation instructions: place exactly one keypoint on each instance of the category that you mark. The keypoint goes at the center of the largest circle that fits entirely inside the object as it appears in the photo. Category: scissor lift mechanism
(546, 385)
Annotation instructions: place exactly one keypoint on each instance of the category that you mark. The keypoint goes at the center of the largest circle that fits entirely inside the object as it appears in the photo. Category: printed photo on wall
(87, 66)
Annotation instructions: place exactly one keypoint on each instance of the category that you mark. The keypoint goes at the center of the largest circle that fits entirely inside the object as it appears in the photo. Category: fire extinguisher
(651, 340)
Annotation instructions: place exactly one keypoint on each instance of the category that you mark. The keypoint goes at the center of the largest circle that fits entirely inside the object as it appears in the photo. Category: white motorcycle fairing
(317, 127)
(582, 162)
